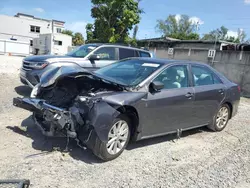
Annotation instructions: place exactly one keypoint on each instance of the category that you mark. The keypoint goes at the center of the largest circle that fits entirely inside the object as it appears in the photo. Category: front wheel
(118, 138)
(221, 118)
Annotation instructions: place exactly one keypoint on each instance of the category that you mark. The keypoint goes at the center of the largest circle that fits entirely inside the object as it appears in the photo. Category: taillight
(239, 89)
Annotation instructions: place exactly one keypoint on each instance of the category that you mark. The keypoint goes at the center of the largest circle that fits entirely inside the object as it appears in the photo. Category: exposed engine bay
(69, 89)
(68, 107)
(82, 105)
(68, 104)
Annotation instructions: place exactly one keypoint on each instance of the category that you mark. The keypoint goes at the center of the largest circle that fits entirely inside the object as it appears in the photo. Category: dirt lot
(199, 159)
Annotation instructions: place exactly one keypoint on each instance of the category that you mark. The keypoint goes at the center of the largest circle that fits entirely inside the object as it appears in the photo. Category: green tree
(113, 19)
(90, 32)
(67, 32)
(179, 28)
(77, 39)
(242, 36)
(219, 34)
(222, 34)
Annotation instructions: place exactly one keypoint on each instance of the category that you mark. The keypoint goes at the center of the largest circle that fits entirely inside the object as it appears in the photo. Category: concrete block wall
(235, 65)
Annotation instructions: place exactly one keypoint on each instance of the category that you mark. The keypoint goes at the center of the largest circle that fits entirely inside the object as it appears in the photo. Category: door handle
(189, 95)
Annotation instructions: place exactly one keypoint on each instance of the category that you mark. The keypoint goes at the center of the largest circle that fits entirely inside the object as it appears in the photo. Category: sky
(233, 14)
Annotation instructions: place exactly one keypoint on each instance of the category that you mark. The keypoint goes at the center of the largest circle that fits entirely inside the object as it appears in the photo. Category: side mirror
(157, 85)
(94, 57)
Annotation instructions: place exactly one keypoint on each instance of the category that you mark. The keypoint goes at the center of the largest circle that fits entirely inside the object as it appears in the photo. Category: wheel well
(231, 109)
(132, 114)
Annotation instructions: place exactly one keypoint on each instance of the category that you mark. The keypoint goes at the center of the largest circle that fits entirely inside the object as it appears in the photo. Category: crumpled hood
(52, 75)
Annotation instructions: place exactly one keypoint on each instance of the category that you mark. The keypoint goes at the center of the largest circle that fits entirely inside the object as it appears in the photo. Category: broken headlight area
(56, 121)
(74, 106)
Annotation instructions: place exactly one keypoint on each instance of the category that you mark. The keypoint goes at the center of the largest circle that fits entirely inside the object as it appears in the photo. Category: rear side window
(144, 54)
(203, 76)
(126, 53)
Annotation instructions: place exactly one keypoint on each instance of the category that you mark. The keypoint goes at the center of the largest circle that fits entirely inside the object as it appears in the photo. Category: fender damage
(90, 112)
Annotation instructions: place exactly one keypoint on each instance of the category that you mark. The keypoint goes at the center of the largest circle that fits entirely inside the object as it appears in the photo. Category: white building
(56, 43)
(24, 28)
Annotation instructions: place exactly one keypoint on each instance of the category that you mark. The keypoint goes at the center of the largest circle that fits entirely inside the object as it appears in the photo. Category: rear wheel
(118, 138)
(221, 118)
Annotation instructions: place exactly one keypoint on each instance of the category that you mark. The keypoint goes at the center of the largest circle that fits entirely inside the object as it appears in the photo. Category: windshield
(129, 72)
(82, 51)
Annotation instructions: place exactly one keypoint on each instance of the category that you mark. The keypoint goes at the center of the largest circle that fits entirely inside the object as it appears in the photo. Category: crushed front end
(60, 122)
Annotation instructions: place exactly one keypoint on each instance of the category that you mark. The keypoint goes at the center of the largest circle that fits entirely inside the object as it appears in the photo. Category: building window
(57, 42)
(34, 29)
(58, 30)
(31, 42)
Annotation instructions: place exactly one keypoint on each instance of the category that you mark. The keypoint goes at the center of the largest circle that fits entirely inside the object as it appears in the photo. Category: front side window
(106, 53)
(203, 76)
(174, 77)
(126, 53)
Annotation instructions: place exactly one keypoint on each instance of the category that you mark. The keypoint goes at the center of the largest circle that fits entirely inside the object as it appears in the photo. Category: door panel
(167, 111)
(171, 108)
(207, 101)
(209, 93)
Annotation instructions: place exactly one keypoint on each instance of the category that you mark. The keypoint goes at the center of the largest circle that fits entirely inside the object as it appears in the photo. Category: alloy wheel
(117, 137)
(222, 117)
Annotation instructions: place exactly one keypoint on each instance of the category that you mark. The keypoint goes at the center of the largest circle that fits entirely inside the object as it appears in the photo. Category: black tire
(100, 149)
(214, 125)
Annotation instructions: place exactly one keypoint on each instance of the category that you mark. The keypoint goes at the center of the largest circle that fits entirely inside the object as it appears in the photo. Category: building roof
(31, 16)
(173, 40)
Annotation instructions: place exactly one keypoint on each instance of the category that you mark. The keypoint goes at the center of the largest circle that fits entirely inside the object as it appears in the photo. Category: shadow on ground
(23, 90)
(48, 144)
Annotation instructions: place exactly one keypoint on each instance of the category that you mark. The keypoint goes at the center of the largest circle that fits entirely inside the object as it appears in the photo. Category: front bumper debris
(51, 120)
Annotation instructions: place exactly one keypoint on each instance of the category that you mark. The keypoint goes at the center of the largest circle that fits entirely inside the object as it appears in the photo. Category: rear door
(126, 53)
(209, 93)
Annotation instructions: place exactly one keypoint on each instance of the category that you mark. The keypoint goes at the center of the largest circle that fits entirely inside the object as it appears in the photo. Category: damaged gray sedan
(136, 98)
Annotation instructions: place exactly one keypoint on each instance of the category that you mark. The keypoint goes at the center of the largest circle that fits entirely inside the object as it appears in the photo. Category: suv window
(174, 77)
(126, 53)
(203, 76)
(144, 54)
(106, 53)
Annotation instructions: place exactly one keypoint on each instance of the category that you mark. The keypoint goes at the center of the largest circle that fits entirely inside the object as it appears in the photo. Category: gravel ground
(199, 159)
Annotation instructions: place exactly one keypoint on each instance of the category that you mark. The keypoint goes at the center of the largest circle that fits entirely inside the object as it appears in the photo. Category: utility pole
(197, 26)
(52, 37)
(214, 49)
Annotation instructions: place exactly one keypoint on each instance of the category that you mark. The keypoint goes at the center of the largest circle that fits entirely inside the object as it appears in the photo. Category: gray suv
(89, 56)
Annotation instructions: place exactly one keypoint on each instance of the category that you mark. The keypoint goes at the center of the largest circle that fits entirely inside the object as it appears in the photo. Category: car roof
(118, 45)
(167, 61)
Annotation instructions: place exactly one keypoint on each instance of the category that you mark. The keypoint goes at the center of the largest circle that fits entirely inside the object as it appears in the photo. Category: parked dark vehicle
(136, 98)
(89, 56)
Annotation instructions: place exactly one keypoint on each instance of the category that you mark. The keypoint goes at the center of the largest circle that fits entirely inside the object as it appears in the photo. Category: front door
(172, 107)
